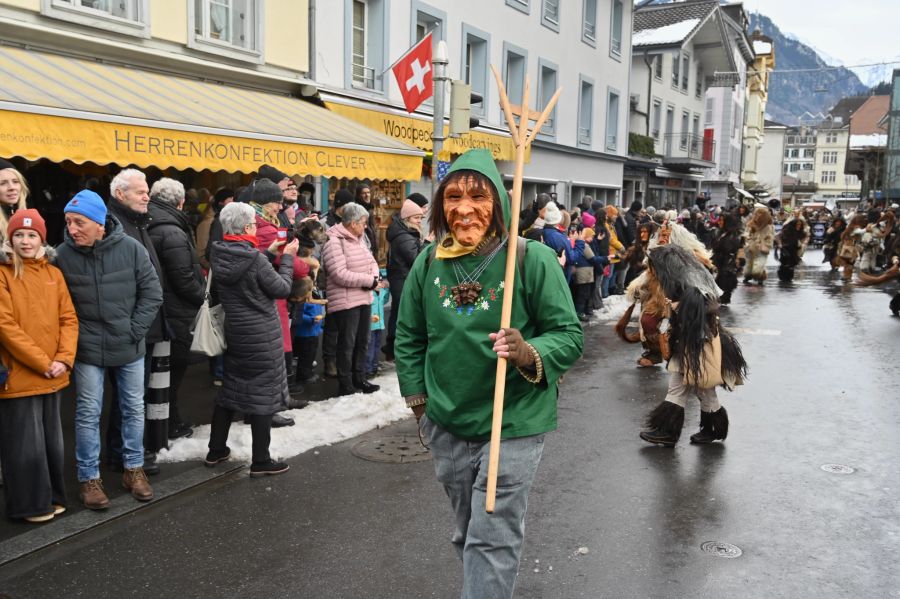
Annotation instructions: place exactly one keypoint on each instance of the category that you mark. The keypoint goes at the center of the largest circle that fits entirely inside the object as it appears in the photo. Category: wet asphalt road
(609, 516)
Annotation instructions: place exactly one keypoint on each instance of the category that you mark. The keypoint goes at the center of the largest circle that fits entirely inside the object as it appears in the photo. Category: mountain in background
(793, 96)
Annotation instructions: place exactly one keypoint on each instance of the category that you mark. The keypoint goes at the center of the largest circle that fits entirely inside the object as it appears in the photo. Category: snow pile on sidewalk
(332, 420)
(320, 423)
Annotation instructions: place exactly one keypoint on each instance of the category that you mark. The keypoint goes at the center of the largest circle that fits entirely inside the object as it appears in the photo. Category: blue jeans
(489, 545)
(604, 285)
(374, 350)
(89, 405)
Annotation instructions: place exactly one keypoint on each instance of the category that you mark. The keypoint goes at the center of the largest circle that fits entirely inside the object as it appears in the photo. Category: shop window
(546, 88)
(589, 22)
(365, 35)
(550, 14)
(129, 17)
(514, 63)
(475, 63)
(612, 121)
(585, 112)
(231, 28)
(615, 36)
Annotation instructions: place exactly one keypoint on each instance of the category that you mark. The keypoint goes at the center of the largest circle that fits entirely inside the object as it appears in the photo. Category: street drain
(838, 469)
(720, 549)
(393, 450)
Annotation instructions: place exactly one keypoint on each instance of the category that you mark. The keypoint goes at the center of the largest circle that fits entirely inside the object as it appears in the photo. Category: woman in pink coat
(352, 276)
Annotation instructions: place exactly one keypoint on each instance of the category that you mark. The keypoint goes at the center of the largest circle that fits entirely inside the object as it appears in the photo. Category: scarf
(251, 239)
(448, 248)
(260, 213)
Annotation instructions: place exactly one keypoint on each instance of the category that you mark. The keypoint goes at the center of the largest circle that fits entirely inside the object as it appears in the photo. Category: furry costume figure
(849, 246)
(791, 241)
(704, 355)
(646, 290)
(726, 249)
(760, 235)
(832, 240)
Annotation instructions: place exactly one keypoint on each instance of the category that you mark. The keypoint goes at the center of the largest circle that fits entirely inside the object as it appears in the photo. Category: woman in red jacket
(38, 338)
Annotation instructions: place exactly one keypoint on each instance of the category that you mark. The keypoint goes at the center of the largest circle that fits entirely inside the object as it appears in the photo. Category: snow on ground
(333, 420)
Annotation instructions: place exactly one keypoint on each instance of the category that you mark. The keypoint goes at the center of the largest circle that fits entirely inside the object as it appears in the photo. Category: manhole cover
(394, 450)
(837, 469)
(720, 549)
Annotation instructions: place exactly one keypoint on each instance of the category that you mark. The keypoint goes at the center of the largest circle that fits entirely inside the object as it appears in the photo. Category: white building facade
(583, 47)
(770, 160)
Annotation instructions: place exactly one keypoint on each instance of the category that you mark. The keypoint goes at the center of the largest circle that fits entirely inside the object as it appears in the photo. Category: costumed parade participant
(703, 354)
(727, 252)
(760, 233)
(832, 240)
(791, 241)
(446, 348)
(646, 291)
(849, 247)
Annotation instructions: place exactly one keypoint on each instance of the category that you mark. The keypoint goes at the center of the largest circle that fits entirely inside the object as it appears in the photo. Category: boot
(713, 427)
(214, 457)
(664, 424)
(92, 495)
(295, 403)
(135, 480)
(279, 421)
(365, 386)
(331, 368)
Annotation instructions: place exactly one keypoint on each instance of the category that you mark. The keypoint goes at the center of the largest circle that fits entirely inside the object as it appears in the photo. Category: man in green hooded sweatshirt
(447, 344)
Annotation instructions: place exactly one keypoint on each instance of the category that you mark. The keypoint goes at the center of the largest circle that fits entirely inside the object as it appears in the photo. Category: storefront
(75, 118)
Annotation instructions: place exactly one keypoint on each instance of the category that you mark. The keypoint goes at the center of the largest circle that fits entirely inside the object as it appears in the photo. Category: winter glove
(509, 344)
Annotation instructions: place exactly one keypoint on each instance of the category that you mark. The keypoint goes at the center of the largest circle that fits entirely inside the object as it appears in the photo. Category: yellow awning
(416, 130)
(63, 108)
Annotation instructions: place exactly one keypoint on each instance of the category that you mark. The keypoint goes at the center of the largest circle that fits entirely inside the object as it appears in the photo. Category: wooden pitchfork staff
(522, 138)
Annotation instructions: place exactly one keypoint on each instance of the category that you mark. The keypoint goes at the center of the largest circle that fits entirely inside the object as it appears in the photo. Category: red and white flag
(413, 74)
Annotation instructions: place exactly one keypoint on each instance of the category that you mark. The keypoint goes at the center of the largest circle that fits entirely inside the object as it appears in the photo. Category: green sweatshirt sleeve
(556, 335)
(411, 338)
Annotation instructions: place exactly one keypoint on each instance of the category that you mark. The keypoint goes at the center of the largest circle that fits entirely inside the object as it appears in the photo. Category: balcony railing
(684, 148)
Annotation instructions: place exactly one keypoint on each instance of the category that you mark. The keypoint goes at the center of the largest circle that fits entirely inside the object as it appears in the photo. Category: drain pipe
(311, 71)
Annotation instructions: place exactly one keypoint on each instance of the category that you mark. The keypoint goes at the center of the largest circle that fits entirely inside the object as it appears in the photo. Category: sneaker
(216, 457)
(41, 518)
(268, 468)
(177, 430)
(92, 495)
(135, 480)
(279, 421)
(367, 387)
(58, 509)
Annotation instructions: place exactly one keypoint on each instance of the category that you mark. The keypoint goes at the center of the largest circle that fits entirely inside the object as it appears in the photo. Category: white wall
(771, 155)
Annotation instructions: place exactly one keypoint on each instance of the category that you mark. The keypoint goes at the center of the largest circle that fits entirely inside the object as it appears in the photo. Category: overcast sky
(855, 32)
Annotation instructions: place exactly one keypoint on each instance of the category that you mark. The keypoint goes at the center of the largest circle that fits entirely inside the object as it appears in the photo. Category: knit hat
(271, 173)
(265, 192)
(410, 208)
(588, 220)
(342, 197)
(27, 219)
(418, 198)
(4, 164)
(587, 233)
(553, 216)
(89, 204)
(611, 211)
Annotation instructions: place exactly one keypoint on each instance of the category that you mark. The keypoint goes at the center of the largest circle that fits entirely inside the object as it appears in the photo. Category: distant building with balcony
(867, 145)
(679, 51)
(754, 121)
(892, 159)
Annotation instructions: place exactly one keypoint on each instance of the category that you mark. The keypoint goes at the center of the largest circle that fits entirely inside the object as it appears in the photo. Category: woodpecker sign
(414, 75)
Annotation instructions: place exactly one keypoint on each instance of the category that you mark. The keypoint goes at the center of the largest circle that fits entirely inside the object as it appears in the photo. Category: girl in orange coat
(38, 337)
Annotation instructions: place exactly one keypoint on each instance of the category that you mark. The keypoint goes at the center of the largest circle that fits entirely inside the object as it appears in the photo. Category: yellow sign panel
(417, 132)
(35, 136)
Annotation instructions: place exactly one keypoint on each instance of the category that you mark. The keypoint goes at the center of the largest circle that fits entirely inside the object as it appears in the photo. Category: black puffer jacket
(116, 294)
(173, 240)
(255, 378)
(405, 245)
(135, 225)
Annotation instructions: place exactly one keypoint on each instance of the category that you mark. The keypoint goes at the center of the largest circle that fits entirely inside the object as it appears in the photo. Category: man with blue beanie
(113, 319)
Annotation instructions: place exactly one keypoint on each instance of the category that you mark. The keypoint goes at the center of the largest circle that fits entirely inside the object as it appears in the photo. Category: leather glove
(509, 344)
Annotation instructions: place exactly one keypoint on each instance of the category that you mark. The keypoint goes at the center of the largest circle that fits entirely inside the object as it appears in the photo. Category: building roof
(769, 123)
(839, 116)
(865, 120)
(669, 23)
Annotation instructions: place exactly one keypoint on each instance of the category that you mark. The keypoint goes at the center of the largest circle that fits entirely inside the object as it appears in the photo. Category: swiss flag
(413, 74)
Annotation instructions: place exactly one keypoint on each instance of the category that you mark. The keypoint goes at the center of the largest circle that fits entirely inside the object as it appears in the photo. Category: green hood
(482, 161)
